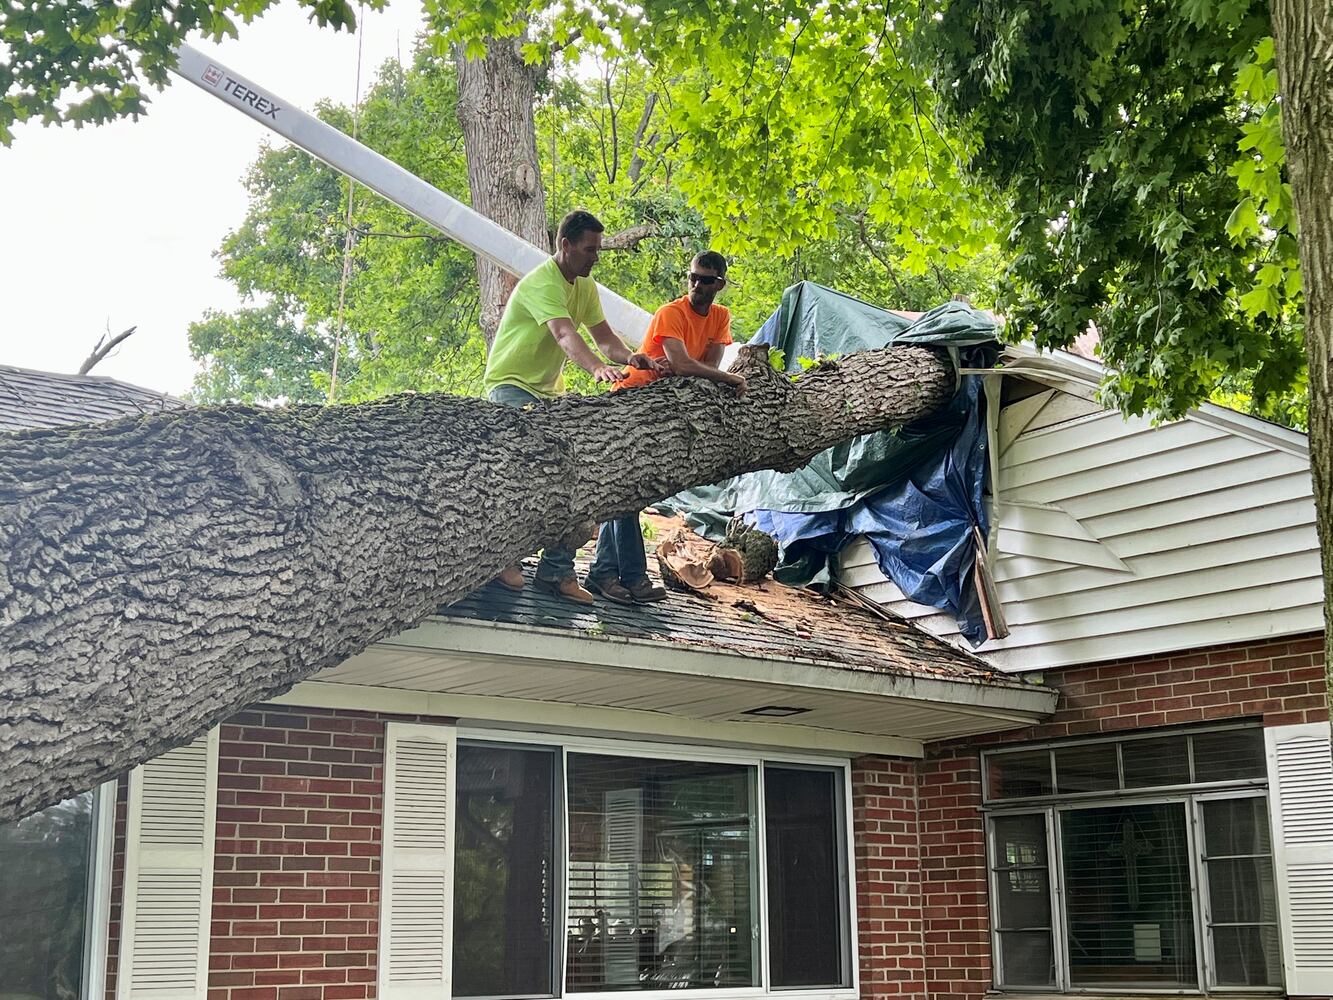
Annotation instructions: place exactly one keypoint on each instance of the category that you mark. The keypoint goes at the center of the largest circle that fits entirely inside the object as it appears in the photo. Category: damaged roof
(765, 619)
(31, 399)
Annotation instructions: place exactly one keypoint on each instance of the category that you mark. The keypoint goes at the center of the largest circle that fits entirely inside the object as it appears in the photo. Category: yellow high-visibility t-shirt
(524, 353)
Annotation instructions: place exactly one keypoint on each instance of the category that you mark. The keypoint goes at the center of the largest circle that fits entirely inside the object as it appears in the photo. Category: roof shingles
(766, 620)
(31, 399)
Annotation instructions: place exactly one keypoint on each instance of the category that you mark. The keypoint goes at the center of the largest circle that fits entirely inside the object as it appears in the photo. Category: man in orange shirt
(688, 335)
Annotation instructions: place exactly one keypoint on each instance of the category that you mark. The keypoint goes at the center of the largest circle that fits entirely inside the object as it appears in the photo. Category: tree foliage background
(409, 314)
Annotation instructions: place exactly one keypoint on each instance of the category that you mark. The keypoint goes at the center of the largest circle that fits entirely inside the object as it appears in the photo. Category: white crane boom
(406, 190)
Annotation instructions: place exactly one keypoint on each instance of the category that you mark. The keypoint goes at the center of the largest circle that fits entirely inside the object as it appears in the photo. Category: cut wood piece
(681, 567)
(726, 563)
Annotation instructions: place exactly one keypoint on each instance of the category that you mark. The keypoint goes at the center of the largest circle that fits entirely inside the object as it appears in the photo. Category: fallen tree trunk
(160, 573)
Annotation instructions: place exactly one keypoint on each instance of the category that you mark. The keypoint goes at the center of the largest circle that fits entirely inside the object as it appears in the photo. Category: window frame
(1205, 895)
(1053, 806)
(1054, 896)
(564, 744)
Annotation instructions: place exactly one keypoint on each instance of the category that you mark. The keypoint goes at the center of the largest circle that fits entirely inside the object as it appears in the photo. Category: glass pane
(1013, 775)
(804, 882)
(1236, 826)
(1149, 763)
(1229, 755)
(1247, 956)
(1022, 886)
(504, 887)
(1020, 840)
(1091, 768)
(1026, 959)
(661, 875)
(1240, 891)
(1127, 894)
(1023, 898)
(43, 893)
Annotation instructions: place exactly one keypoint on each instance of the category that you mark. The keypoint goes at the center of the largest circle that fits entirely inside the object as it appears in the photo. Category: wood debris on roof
(765, 619)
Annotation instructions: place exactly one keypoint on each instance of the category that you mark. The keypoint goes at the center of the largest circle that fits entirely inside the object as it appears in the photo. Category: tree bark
(159, 573)
(496, 95)
(1303, 37)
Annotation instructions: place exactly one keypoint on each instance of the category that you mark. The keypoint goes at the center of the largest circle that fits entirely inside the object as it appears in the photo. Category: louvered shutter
(1300, 774)
(416, 912)
(169, 875)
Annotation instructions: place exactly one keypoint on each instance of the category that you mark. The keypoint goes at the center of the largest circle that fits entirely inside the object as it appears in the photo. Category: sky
(115, 226)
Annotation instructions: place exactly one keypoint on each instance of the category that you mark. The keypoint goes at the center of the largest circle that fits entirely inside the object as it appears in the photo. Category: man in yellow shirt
(538, 333)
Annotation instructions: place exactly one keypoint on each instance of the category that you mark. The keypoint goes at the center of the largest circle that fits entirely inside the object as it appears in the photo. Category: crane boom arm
(406, 190)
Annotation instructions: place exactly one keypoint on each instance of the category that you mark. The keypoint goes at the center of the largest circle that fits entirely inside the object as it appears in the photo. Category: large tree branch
(159, 573)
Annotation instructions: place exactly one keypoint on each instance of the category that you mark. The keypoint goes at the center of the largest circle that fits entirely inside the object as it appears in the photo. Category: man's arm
(615, 350)
(683, 364)
(562, 329)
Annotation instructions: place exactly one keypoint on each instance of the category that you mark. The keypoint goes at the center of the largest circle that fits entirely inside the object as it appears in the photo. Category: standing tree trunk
(496, 95)
(159, 573)
(1303, 35)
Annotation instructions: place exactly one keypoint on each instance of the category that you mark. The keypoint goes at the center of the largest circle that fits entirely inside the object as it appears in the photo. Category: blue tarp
(915, 493)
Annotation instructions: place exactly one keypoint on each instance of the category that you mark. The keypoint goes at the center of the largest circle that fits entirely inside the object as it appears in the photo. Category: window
(1242, 904)
(582, 869)
(1131, 864)
(504, 865)
(1022, 883)
(662, 875)
(46, 867)
(807, 878)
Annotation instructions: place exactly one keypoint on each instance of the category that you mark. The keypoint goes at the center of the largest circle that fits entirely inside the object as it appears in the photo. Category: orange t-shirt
(678, 321)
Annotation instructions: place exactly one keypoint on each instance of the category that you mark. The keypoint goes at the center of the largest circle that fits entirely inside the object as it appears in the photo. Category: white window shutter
(1300, 775)
(416, 884)
(169, 875)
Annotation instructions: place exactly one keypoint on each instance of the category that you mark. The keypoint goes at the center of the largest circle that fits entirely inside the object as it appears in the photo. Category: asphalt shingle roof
(767, 619)
(31, 399)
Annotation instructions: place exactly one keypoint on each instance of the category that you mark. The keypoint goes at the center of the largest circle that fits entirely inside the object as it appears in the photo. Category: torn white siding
(1117, 538)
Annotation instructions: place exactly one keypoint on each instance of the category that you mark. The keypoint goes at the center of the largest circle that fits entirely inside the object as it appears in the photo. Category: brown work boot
(568, 589)
(608, 588)
(511, 577)
(644, 592)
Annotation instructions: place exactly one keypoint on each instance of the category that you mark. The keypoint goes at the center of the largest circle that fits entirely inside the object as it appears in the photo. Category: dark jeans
(620, 552)
(556, 563)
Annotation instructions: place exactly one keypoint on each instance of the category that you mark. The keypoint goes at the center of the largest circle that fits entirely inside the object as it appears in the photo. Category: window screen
(807, 935)
(504, 883)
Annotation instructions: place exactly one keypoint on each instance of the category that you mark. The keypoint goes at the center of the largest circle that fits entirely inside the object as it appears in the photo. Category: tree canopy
(1122, 162)
(409, 316)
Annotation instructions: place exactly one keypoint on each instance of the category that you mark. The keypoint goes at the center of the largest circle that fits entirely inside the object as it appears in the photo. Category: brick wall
(1279, 682)
(888, 882)
(955, 914)
(296, 870)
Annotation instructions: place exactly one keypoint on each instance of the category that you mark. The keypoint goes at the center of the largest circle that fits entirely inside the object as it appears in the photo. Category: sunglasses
(707, 280)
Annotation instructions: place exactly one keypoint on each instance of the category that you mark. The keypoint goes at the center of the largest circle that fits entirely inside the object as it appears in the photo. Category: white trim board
(1012, 701)
(528, 716)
